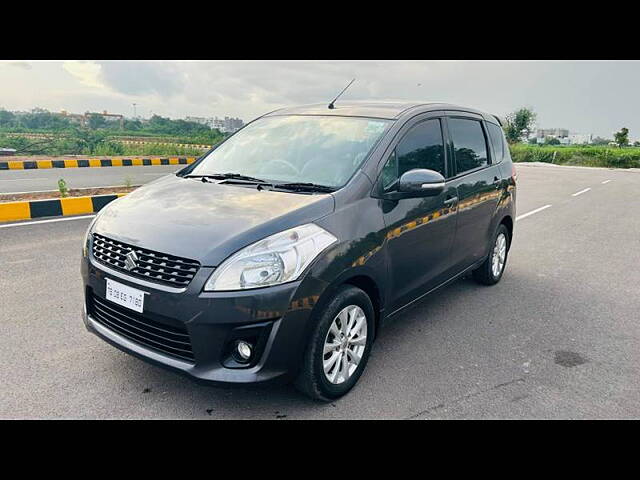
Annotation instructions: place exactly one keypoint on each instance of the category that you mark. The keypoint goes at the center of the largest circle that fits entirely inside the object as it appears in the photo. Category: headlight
(85, 242)
(87, 237)
(277, 259)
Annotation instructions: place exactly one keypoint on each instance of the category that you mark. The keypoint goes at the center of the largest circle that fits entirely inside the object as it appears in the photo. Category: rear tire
(491, 270)
(330, 342)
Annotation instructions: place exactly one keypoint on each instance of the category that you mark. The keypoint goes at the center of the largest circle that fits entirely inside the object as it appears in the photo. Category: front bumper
(212, 320)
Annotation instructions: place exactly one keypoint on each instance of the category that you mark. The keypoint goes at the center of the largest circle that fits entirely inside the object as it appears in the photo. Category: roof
(388, 110)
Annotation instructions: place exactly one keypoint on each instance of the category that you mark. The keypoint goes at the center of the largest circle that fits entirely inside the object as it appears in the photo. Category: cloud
(164, 79)
(585, 96)
(23, 65)
(87, 73)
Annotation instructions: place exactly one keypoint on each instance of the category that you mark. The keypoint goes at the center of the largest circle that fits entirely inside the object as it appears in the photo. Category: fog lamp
(244, 350)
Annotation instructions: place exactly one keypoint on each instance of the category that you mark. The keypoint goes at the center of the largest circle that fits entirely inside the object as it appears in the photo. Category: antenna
(331, 105)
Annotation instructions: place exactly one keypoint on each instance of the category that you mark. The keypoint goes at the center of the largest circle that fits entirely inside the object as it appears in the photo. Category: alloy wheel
(499, 255)
(344, 344)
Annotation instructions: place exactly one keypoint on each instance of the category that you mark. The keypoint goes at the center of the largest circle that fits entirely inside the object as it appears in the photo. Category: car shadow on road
(167, 394)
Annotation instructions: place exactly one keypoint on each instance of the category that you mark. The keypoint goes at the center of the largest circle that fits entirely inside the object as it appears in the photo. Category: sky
(597, 97)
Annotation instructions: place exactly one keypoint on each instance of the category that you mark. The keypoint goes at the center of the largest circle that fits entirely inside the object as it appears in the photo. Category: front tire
(490, 272)
(339, 346)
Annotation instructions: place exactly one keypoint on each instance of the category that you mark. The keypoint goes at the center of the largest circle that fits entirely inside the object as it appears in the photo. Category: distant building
(552, 132)
(563, 135)
(225, 125)
(228, 124)
(73, 117)
(580, 139)
(200, 120)
(108, 117)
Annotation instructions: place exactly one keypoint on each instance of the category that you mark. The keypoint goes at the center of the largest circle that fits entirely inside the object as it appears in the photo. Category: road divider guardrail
(94, 162)
(123, 140)
(55, 207)
(171, 144)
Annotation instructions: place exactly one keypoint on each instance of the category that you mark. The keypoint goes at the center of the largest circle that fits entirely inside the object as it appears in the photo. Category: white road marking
(525, 215)
(16, 262)
(23, 179)
(53, 220)
(580, 192)
(606, 181)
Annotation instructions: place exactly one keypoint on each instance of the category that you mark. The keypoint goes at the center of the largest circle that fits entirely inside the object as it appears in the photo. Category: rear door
(478, 182)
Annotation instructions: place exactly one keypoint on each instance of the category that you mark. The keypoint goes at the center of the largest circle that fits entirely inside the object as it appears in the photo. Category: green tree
(551, 141)
(622, 137)
(71, 141)
(132, 125)
(36, 119)
(6, 118)
(87, 141)
(96, 121)
(518, 124)
(600, 141)
(40, 119)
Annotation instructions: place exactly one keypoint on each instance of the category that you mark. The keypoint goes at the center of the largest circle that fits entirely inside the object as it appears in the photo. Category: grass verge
(586, 156)
(73, 192)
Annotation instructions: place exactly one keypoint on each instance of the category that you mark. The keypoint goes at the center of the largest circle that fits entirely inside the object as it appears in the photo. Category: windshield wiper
(203, 178)
(295, 186)
(229, 176)
(305, 187)
(237, 176)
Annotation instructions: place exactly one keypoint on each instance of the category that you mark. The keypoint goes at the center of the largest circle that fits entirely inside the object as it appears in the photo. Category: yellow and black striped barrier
(27, 210)
(94, 162)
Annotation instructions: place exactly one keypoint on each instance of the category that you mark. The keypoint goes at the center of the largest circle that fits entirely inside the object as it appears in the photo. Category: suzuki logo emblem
(131, 260)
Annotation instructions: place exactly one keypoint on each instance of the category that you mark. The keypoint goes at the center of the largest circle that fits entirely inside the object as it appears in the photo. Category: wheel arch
(363, 279)
(369, 286)
(507, 221)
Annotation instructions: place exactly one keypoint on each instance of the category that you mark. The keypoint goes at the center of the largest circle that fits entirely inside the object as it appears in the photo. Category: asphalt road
(559, 337)
(12, 181)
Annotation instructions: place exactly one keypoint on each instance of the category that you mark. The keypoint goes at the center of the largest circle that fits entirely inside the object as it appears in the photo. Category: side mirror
(420, 182)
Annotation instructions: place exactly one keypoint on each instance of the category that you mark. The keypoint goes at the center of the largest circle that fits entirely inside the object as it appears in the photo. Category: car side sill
(446, 282)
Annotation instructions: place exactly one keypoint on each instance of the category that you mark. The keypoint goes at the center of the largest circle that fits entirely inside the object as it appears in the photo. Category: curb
(94, 162)
(58, 207)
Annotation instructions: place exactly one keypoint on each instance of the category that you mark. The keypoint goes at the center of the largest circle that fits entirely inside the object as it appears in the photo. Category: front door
(419, 231)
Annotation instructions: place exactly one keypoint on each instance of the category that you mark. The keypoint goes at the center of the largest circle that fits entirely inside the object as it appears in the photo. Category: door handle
(450, 201)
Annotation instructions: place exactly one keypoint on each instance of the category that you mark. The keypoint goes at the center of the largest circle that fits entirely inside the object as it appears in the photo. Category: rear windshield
(325, 150)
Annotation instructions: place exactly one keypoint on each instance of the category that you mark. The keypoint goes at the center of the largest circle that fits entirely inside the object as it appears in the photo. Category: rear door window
(470, 146)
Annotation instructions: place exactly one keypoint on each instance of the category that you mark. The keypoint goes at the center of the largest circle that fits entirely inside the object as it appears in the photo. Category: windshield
(324, 150)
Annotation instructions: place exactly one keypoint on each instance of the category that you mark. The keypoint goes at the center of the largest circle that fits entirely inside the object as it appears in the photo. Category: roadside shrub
(62, 187)
(91, 143)
(157, 149)
(109, 148)
(587, 155)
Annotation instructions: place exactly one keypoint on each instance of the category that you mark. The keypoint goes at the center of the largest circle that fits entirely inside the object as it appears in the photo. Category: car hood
(205, 221)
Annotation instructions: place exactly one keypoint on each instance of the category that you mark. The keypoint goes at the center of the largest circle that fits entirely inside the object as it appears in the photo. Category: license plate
(126, 296)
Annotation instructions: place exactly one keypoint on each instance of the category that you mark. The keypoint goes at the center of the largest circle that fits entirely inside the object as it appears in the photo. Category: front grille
(168, 339)
(153, 266)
